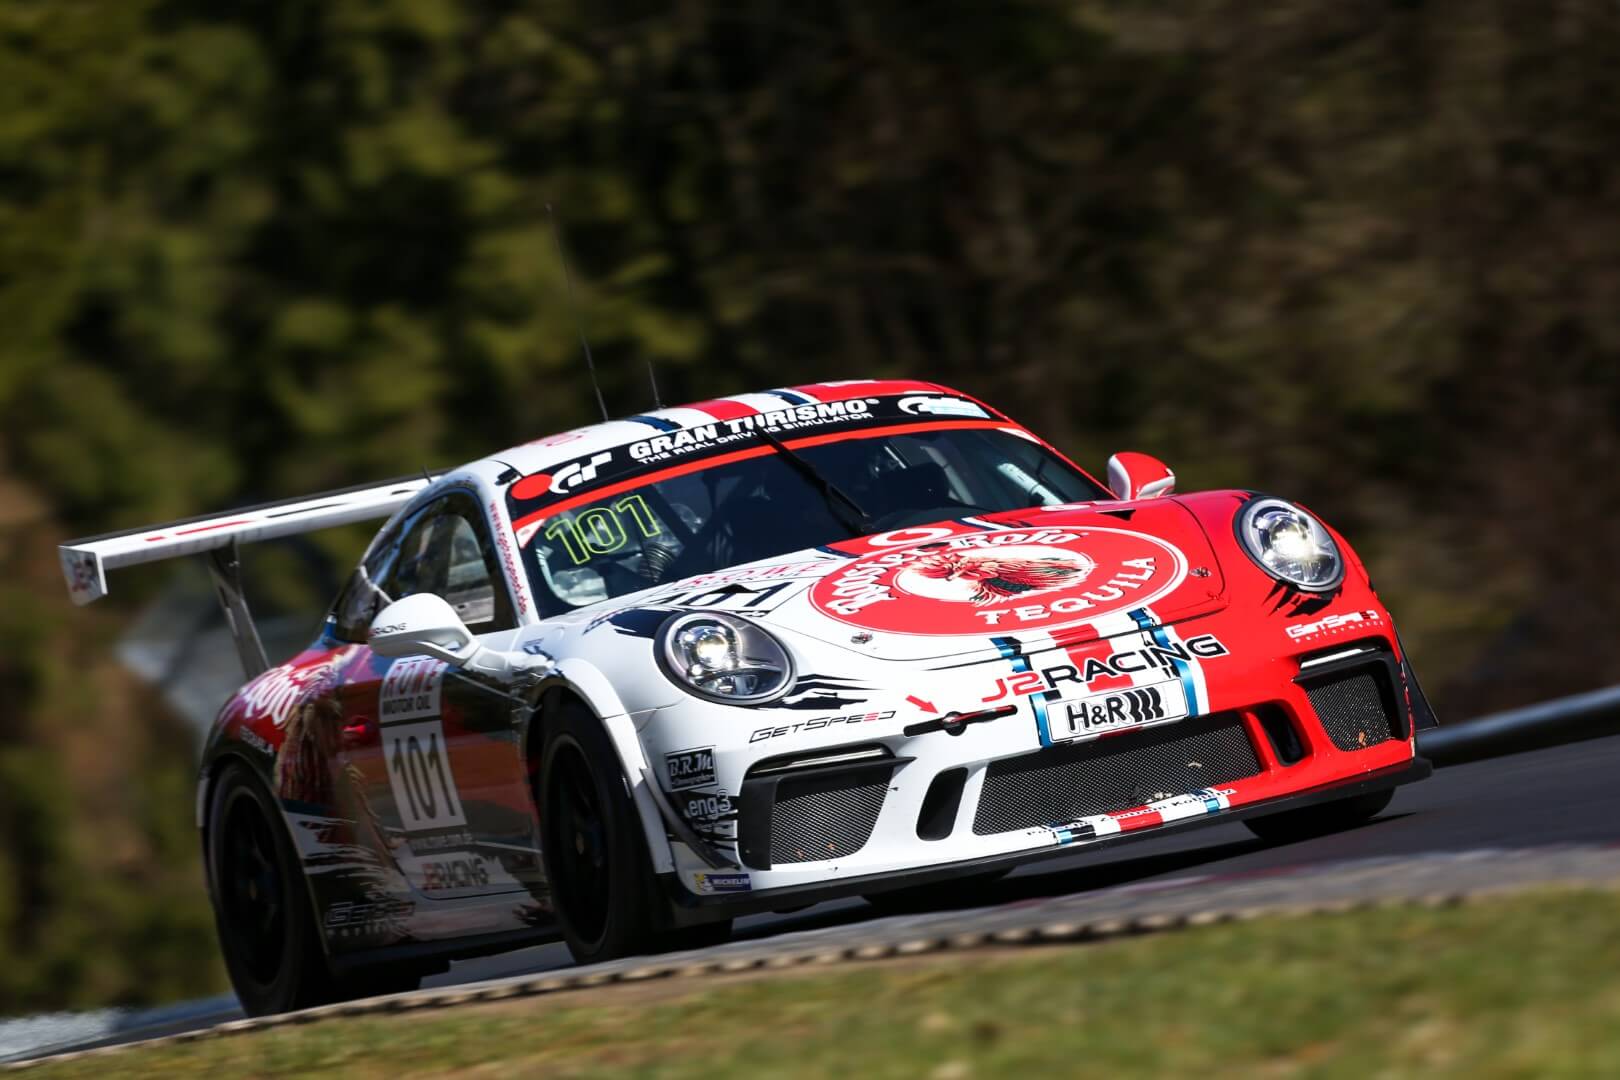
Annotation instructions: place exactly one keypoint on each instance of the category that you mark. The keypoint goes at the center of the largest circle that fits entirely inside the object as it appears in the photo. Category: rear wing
(85, 562)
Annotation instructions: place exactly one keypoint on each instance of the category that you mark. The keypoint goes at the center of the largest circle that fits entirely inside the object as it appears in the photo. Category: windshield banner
(539, 495)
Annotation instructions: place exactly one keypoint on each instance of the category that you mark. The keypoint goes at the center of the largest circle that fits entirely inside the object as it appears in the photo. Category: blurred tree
(1360, 253)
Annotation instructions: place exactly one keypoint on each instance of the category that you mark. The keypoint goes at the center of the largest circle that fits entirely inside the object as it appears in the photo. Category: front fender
(588, 682)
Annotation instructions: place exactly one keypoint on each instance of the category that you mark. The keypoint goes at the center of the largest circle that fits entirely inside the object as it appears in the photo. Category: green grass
(1521, 986)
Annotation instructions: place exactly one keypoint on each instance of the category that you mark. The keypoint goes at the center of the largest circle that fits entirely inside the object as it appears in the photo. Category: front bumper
(794, 896)
(1263, 732)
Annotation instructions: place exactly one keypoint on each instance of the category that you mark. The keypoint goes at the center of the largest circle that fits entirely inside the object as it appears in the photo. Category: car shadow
(1071, 879)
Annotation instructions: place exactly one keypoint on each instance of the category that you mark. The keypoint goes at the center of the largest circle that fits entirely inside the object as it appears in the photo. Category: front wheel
(602, 887)
(1319, 820)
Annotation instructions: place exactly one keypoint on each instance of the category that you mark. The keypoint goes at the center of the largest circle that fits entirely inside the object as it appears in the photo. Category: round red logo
(997, 582)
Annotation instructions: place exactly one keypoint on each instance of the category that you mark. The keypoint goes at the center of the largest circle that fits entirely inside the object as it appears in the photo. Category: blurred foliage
(1360, 253)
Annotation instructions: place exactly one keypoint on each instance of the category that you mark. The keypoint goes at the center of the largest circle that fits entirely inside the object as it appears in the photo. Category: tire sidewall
(632, 921)
(301, 971)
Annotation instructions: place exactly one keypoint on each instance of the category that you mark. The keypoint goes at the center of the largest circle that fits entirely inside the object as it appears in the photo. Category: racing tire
(267, 930)
(1320, 820)
(602, 887)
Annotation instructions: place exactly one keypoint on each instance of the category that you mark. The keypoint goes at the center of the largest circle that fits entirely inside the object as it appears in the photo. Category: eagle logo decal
(989, 576)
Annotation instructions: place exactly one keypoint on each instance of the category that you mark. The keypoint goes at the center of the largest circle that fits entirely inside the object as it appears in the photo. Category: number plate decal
(419, 772)
(1128, 707)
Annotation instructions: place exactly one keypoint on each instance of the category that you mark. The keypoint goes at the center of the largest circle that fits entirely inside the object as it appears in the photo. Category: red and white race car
(623, 683)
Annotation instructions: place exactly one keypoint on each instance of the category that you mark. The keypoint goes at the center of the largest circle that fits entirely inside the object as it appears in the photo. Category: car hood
(992, 585)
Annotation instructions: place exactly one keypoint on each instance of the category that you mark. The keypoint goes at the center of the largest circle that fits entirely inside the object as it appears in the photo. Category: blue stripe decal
(835, 551)
(1011, 650)
(1145, 621)
(792, 397)
(655, 422)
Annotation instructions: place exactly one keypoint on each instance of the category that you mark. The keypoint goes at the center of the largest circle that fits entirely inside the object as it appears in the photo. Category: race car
(624, 683)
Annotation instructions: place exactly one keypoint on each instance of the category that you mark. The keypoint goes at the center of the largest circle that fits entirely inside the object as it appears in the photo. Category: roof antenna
(658, 402)
(568, 283)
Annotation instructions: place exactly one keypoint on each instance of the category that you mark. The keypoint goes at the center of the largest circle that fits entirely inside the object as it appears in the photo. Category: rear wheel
(267, 931)
(1319, 820)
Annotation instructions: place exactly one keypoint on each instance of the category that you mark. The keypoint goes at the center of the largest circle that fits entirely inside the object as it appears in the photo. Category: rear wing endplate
(85, 562)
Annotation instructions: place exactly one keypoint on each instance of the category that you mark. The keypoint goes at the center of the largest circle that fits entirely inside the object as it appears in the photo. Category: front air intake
(1064, 783)
(818, 818)
(1357, 707)
(812, 809)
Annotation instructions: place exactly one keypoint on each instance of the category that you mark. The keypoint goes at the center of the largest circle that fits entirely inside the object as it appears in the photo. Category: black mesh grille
(820, 820)
(1063, 783)
(1353, 708)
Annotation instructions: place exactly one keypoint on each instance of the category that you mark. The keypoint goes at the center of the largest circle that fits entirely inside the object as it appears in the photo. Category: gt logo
(576, 473)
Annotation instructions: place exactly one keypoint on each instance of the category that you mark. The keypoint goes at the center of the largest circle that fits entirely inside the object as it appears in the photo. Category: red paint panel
(721, 409)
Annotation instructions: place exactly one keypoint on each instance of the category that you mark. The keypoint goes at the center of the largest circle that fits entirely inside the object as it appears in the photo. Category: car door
(438, 753)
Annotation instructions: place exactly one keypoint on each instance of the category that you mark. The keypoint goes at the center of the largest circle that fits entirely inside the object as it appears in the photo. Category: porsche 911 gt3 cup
(621, 684)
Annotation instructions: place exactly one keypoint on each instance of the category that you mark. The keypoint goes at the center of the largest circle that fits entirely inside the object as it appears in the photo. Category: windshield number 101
(600, 530)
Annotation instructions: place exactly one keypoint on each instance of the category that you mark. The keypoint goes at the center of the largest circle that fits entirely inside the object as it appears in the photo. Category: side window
(362, 598)
(446, 551)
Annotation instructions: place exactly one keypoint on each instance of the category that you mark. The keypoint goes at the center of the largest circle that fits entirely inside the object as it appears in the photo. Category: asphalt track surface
(1492, 814)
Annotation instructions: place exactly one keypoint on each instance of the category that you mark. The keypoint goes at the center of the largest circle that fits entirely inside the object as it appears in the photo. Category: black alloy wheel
(266, 930)
(582, 878)
(252, 893)
(606, 898)
(266, 924)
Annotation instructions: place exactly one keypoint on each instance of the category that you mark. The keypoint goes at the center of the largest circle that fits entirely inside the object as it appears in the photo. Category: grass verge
(1527, 985)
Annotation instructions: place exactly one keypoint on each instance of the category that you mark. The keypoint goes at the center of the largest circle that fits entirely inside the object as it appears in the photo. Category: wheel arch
(582, 682)
(207, 783)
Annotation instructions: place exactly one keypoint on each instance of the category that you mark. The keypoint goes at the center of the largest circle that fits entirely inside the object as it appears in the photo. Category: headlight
(1290, 545)
(724, 658)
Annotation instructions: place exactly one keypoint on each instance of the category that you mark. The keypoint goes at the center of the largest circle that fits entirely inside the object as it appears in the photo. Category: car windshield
(761, 506)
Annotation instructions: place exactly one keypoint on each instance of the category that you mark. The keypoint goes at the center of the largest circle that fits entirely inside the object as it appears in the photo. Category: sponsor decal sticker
(820, 723)
(933, 405)
(1334, 624)
(1038, 579)
(411, 689)
(1137, 706)
(278, 691)
(689, 768)
(508, 559)
(1172, 808)
(255, 740)
(1150, 657)
(467, 872)
(708, 807)
(679, 443)
(721, 883)
(348, 918)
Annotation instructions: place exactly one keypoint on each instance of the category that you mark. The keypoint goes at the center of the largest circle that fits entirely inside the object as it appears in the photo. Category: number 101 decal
(600, 530)
(419, 772)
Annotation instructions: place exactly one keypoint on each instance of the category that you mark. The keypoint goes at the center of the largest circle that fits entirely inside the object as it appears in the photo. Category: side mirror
(422, 625)
(426, 625)
(1139, 476)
